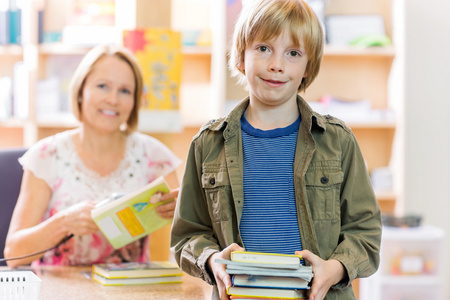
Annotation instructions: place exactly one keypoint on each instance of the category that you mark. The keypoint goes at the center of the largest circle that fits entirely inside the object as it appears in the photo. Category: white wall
(427, 114)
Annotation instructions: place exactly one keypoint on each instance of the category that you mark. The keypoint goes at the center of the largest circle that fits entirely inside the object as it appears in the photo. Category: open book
(132, 216)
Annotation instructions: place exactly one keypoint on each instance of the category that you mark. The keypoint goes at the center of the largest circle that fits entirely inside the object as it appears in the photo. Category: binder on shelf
(15, 22)
(4, 22)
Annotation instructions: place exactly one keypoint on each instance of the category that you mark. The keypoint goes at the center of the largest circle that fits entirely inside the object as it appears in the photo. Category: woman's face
(108, 94)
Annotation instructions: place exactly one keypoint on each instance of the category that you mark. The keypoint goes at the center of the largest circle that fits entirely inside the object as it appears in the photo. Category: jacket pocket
(323, 189)
(218, 193)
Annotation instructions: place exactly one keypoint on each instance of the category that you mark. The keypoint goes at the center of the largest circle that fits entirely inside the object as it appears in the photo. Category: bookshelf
(205, 81)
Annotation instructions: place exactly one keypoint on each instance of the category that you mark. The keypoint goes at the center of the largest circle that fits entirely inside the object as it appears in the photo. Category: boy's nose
(276, 65)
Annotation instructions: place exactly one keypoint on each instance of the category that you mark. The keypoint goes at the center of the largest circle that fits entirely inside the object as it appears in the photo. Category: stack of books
(267, 276)
(133, 273)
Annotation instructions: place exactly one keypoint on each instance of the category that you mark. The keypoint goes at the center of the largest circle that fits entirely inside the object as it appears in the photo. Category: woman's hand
(326, 274)
(223, 279)
(167, 210)
(78, 220)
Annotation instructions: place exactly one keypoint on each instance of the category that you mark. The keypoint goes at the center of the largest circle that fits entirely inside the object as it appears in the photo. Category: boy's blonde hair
(84, 69)
(266, 19)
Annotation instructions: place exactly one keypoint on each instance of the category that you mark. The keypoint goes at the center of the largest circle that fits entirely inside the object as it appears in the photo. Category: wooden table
(71, 283)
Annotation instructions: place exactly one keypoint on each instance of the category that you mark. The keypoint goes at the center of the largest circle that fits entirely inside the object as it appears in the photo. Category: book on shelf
(129, 270)
(158, 51)
(265, 293)
(15, 22)
(136, 281)
(133, 216)
(270, 281)
(4, 22)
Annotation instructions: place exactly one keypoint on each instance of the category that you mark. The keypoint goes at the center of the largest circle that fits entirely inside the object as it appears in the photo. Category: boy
(274, 176)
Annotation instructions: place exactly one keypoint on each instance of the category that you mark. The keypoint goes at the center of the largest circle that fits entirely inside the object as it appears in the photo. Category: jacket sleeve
(360, 237)
(192, 240)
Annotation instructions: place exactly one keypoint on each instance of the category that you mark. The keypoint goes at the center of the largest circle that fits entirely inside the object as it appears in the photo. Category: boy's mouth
(274, 82)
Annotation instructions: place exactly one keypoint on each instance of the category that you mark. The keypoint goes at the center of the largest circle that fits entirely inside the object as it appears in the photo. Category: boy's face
(274, 69)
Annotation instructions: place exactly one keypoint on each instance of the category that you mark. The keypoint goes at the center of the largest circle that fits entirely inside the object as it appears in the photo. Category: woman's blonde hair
(266, 19)
(84, 69)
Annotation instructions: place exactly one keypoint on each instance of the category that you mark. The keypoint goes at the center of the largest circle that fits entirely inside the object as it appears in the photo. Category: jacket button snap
(212, 181)
(324, 180)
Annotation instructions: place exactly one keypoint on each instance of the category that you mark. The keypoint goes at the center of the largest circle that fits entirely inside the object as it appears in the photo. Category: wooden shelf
(196, 50)
(371, 124)
(12, 123)
(385, 195)
(11, 50)
(387, 51)
(62, 120)
(62, 49)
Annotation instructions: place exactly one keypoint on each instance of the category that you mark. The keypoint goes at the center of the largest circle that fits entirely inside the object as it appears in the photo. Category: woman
(66, 174)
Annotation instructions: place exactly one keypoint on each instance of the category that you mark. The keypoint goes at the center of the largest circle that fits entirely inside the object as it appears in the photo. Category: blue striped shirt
(269, 218)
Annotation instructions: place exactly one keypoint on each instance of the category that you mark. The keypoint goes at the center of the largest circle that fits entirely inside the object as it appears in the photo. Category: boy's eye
(294, 53)
(101, 85)
(263, 48)
(125, 91)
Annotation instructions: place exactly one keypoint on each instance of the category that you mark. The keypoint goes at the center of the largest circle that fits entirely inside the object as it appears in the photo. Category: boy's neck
(271, 117)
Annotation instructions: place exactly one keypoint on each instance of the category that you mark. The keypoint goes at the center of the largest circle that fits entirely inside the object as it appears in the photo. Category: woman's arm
(27, 234)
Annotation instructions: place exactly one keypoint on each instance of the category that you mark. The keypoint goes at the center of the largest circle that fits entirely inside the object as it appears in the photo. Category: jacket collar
(231, 124)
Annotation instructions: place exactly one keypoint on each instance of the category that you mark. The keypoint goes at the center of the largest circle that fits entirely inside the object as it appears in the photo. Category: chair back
(10, 180)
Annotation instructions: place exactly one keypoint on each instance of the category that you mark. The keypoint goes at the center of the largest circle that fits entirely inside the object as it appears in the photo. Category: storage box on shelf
(411, 265)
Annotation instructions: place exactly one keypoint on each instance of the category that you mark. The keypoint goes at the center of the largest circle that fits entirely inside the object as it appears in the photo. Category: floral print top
(56, 161)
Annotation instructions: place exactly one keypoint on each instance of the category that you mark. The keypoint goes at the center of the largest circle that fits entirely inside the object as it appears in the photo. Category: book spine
(4, 26)
(15, 28)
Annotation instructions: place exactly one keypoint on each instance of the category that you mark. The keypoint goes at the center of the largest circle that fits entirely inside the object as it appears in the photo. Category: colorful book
(158, 51)
(264, 293)
(136, 270)
(136, 281)
(270, 282)
(267, 258)
(132, 216)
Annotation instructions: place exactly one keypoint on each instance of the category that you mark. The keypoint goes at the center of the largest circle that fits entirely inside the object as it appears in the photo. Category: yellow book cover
(266, 293)
(131, 216)
(158, 51)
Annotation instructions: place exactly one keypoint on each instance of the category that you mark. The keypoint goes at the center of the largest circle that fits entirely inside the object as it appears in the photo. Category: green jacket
(338, 213)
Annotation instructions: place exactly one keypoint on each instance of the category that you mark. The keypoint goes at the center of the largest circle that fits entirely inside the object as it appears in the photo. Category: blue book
(15, 25)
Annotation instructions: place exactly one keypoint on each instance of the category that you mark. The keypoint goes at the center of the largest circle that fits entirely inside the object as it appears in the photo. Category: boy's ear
(242, 66)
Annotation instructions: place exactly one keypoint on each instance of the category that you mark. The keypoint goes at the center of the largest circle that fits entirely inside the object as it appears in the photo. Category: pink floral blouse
(55, 160)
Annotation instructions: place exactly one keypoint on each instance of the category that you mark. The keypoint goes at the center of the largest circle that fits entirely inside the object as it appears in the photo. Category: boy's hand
(326, 274)
(223, 279)
(166, 210)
